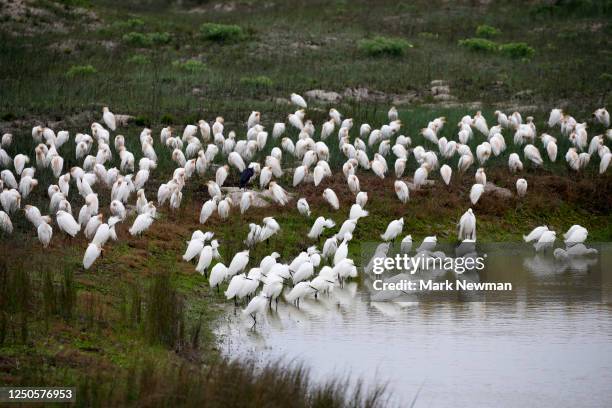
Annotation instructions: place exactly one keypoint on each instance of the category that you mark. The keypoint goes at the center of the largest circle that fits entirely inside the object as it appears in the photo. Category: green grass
(301, 48)
(517, 50)
(133, 23)
(139, 60)
(258, 82)
(192, 66)
(138, 39)
(222, 32)
(80, 70)
(479, 45)
(379, 46)
(487, 31)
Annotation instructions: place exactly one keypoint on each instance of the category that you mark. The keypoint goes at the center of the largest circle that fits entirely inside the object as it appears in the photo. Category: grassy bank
(158, 59)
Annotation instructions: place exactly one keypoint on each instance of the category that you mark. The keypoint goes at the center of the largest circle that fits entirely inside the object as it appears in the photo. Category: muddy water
(548, 342)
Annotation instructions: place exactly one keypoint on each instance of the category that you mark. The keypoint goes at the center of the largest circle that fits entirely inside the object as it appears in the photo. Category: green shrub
(192, 66)
(8, 116)
(134, 23)
(384, 46)
(139, 59)
(606, 77)
(159, 38)
(142, 121)
(261, 81)
(222, 32)
(479, 44)
(146, 40)
(80, 70)
(167, 119)
(487, 31)
(137, 39)
(517, 50)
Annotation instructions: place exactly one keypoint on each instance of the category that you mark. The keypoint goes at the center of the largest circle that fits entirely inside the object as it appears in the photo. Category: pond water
(546, 343)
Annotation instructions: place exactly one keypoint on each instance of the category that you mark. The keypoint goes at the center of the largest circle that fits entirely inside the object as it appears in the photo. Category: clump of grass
(81, 70)
(222, 32)
(380, 45)
(139, 59)
(146, 39)
(487, 31)
(142, 121)
(134, 23)
(8, 116)
(138, 39)
(479, 44)
(167, 119)
(568, 35)
(164, 316)
(15, 303)
(258, 82)
(517, 50)
(428, 36)
(161, 384)
(160, 38)
(75, 3)
(192, 66)
(606, 77)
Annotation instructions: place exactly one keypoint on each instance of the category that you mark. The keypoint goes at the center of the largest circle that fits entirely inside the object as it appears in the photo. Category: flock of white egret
(200, 145)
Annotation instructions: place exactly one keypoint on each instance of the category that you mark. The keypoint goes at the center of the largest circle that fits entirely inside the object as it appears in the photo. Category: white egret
(300, 291)
(535, 234)
(5, 223)
(521, 187)
(406, 244)
(394, 228)
(256, 306)
(217, 275)
(45, 233)
(303, 207)
(238, 263)
(298, 100)
(67, 223)
(546, 241)
(279, 194)
(91, 254)
(446, 173)
(109, 119)
(319, 226)
(331, 198)
(401, 190)
(467, 226)
(224, 207)
(476, 192)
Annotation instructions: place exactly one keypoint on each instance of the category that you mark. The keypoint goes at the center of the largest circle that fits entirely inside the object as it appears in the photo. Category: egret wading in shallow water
(257, 305)
(299, 292)
(546, 241)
